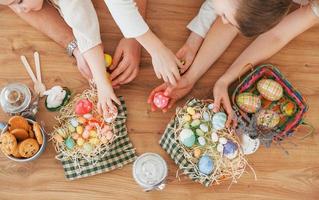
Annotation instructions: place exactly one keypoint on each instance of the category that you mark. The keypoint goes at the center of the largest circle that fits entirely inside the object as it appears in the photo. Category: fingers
(216, 104)
(116, 58)
(229, 111)
(99, 109)
(119, 69)
(131, 77)
(168, 90)
(170, 105)
(159, 88)
(127, 72)
(115, 99)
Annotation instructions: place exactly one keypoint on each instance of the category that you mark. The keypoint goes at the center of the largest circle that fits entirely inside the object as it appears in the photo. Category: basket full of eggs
(200, 144)
(267, 105)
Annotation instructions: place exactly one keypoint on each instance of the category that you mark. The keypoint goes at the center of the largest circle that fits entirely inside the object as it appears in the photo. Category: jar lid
(150, 170)
(15, 98)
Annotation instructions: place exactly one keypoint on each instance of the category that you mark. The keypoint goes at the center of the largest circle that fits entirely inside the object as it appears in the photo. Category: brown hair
(255, 17)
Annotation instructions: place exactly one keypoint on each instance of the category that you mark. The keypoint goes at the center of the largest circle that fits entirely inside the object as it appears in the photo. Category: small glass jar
(15, 98)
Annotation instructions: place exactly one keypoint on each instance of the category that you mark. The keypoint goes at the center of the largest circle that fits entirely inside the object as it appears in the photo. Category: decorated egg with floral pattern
(248, 102)
(270, 89)
(267, 119)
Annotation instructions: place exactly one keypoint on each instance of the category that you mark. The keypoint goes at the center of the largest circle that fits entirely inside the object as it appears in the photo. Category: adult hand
(126, 61)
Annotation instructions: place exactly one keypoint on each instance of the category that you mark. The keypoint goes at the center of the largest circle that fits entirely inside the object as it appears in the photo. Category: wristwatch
(71, 47)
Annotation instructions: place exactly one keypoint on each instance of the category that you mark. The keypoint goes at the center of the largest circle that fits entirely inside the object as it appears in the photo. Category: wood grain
(279, 176)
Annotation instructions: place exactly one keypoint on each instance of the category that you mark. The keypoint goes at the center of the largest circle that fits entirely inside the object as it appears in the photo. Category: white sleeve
(127, 17)
(204, 19)
(80, 15)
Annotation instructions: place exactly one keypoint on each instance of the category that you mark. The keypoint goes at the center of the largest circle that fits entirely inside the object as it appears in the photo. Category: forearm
(150, 42)
(49, 22)
(95, 60)
(216, 42)
(271, 42)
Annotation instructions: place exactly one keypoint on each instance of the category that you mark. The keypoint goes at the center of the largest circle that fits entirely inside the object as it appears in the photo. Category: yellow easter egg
(187, 118)
(248, 102)
(94, 141)
(197, 153)
(81, 120)
(270, 89)
(79, 129)
(108, 60)
(190, 111)
(80, 141)
(93, 134)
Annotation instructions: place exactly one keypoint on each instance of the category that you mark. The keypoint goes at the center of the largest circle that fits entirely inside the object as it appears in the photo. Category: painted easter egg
(79, 129)
(230, 150)
(196, 116)
(160, 100)
(191, 110)
(204, 128)
(187, 118)
(201, 140)
(187, 137)
(195, 123)
(267, 119)
(248, 102)
(211, 106)
(270, 89)
(220, 148)
(86, 134)
(222, 140)
(71, 128)
(206, 116)
(219, 121)
(111, 115)
(70, 143)
(87, 148)
(214, 137)
(206, 165)
(197, 153)
(288, 108)
(74, 122)
(108, 60)
(94, 141)
(80, 141)
(81, 120)
(83, 106)
(199, 132)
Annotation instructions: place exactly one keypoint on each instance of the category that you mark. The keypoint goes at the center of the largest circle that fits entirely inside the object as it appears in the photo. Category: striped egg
(248, 102)
(270, 89)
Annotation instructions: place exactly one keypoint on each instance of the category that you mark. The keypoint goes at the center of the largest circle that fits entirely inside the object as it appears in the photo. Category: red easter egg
(83, 106)
(160, 100)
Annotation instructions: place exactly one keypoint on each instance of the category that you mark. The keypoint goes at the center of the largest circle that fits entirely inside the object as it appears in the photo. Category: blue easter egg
(206, 165)
(230, 149)
(70, 143)
(74, 122)
(187, 137)
(219, 120)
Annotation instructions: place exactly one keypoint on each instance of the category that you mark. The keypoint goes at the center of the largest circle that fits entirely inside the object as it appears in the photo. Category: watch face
(249, 145)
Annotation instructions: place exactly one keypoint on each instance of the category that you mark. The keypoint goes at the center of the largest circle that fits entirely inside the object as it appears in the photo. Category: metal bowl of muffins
(22, 140)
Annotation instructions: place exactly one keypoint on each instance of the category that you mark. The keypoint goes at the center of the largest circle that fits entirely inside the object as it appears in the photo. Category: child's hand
(106, 97)
(221, 97)
(175, 93)
(126, 61)
(82, 65)
(189, 50)
(166, 65)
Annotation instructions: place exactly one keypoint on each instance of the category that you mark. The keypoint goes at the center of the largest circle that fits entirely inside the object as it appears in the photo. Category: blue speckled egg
(206, 165)
(187, 137)
(74, 122)
(230, 149)
(70, 143)
(219, 120)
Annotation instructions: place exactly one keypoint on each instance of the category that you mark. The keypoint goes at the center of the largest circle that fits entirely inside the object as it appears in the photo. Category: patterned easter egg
(187, 137)
(267, 119)
(288, 108)
(219, 121)
(270, 89)
(248, 102)
(206, 165)
(230, 150)
(160, 100)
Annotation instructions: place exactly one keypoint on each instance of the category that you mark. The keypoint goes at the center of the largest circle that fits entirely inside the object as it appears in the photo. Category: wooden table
(279, 176)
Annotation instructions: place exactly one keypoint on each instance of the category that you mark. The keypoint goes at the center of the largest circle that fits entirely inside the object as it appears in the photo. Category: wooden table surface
(279, 176)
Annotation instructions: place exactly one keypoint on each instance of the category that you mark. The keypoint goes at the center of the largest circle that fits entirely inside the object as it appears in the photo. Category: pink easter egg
(86, 134)
(160, 100)
(83, 106)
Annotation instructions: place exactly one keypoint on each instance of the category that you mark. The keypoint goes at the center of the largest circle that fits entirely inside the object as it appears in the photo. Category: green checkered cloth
(121, 152)
(170, 145)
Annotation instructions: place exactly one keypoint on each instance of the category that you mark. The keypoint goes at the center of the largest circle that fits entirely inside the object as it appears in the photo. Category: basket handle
(249, 65)
(311, 131)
